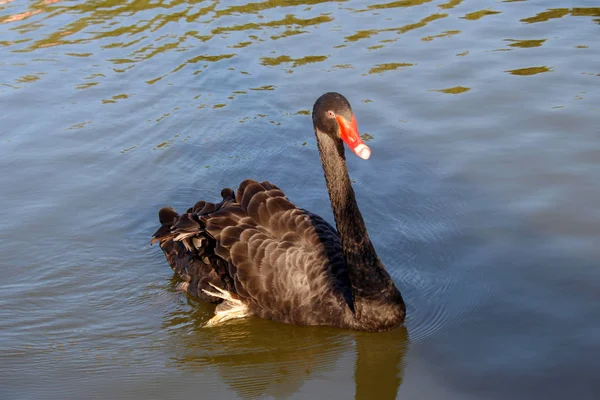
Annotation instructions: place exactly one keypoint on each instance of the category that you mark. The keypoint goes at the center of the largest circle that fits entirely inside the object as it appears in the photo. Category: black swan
(257, 254)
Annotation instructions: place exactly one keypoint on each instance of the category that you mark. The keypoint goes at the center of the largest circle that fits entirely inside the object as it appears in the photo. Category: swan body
(257, 254)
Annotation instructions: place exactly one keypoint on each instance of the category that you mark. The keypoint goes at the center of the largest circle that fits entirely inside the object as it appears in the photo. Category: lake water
(481, 195)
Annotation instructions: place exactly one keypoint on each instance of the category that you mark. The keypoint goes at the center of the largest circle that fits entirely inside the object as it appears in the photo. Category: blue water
(480, 197)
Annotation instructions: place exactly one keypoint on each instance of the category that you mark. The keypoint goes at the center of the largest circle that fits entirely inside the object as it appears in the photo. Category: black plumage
(281, 262)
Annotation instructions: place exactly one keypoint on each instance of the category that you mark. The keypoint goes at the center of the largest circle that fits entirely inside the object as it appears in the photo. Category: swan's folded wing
(283, 259)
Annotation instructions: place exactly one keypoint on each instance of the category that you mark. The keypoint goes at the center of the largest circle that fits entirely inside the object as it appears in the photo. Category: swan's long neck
(367, 274)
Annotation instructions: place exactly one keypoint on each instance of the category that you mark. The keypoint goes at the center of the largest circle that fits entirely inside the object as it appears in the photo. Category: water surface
(481, 195)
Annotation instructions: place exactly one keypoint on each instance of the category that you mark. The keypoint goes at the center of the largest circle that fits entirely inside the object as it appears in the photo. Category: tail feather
(222, 294)
(190, 251)
(231, 308)
(167, 217)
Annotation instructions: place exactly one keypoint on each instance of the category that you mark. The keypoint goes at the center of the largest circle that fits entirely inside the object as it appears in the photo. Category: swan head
(332, 114)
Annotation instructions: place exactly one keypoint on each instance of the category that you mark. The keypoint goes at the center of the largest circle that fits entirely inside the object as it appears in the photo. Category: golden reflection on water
(254, 8)
(136, 31)
(366, 137)
(440, 35)
(454, 90)
(561, 12)
(272, 61)
(379, 68)
(526, 43)
(259, 358)
(529, 71)
(80, 125)
(28, 78)
(115, 98)
(401, 3)
(450, 4)
(365, 34)
(473, 16)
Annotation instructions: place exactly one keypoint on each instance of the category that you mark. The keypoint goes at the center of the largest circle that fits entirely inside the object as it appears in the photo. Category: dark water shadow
(258, 358)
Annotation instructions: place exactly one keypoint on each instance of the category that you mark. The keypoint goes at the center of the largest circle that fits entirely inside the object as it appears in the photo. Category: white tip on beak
(363, 151)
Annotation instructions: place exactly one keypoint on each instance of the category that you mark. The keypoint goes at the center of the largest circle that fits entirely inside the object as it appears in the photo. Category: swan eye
(330, 114)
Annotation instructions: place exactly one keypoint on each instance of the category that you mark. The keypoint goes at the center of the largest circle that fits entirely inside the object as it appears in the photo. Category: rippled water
(481, 195)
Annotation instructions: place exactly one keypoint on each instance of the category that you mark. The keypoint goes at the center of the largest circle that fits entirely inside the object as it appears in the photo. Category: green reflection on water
(561, 12)
(254, 8)
(479, 14)
(379, 68)
(288, 20)
(241, 45)
(366, 137)
(364, 34)
(342, 66)
(419, 24)
(454, 90)
(80, 125)
(439, 35)
(266, 87)
(28, 78)
(115, 98)
(401, 3)
(79, 54)
(124, 45)
(529, 71)
(287, 33)
(273, 61)
(196, 59)
(167, 143)
(547, 15)
(7, 43)
(166, 115)
(127, 149)
(586, 11)
(86, 85)
(526, 43)
(450, 4)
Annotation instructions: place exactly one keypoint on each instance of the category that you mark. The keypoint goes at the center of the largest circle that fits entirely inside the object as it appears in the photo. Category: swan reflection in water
(259, 358)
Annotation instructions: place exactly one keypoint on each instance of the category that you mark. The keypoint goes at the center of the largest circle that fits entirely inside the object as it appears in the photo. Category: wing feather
(282, 261)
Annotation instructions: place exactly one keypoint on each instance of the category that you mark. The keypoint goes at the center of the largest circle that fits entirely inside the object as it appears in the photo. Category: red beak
(349, 134)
